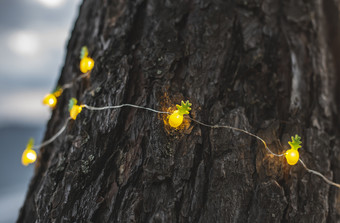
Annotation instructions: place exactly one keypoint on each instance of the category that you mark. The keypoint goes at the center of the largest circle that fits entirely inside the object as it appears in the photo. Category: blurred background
(33, 35)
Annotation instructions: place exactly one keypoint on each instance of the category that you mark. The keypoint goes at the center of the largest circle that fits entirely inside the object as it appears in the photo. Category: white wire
(124, 105)
(53, 137)
(319, 174)
(93, 108)
(239, 130)
(69, 85)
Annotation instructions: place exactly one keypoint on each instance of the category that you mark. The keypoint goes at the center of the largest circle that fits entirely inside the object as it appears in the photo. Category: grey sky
(33, 39)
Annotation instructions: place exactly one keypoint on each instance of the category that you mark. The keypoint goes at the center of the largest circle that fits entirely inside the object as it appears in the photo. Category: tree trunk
(269, 67)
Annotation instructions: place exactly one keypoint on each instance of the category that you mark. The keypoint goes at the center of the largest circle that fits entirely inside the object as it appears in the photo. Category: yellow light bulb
(292, 156)
(28, 156)
(50, 100)
(75, 110)
(86, 64)
(58, 92)
(175, 119)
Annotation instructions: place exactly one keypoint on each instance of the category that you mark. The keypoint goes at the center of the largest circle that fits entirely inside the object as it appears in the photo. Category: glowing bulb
(175, 119)
(86, 64)
(28, 156)
(292, 156)
(75, 110)
(50, 100)
(31, 156)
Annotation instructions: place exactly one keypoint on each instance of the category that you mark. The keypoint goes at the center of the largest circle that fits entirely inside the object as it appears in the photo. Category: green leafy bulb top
(184, 108)
(295, 143)
(30, 143)
(72, 102)
(84, 52)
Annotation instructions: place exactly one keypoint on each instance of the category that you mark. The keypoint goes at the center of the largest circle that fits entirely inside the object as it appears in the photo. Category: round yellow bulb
(292, 156)
(175, 119)
(86, 64)
(28, 156)
(50, 100)
(76, 109)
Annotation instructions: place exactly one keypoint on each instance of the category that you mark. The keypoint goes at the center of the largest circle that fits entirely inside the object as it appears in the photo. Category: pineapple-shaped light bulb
(74, 108)
(29, 155)
(176, 118)
(292, 155)
(86, 63)
(51, 99)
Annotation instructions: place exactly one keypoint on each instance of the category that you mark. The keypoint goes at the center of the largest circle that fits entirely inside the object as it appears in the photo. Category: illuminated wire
(53, 137)
(124, 105)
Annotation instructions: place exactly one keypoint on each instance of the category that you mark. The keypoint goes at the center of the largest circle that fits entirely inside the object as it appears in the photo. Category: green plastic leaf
(72, 102)
(84, 52)
(30, 143)
(184, 108)
(295, 143)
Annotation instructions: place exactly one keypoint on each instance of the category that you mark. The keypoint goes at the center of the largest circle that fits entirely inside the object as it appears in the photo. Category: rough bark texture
(268, 66)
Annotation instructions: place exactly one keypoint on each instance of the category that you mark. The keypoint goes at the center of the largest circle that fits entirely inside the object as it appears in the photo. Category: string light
(86, 63)
(176, 118)
(292, 155)
(50, 100)
(58, 91)
(29, 155)
(74, 108)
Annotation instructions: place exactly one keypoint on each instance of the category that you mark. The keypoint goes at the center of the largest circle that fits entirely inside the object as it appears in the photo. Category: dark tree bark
(267, 66)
